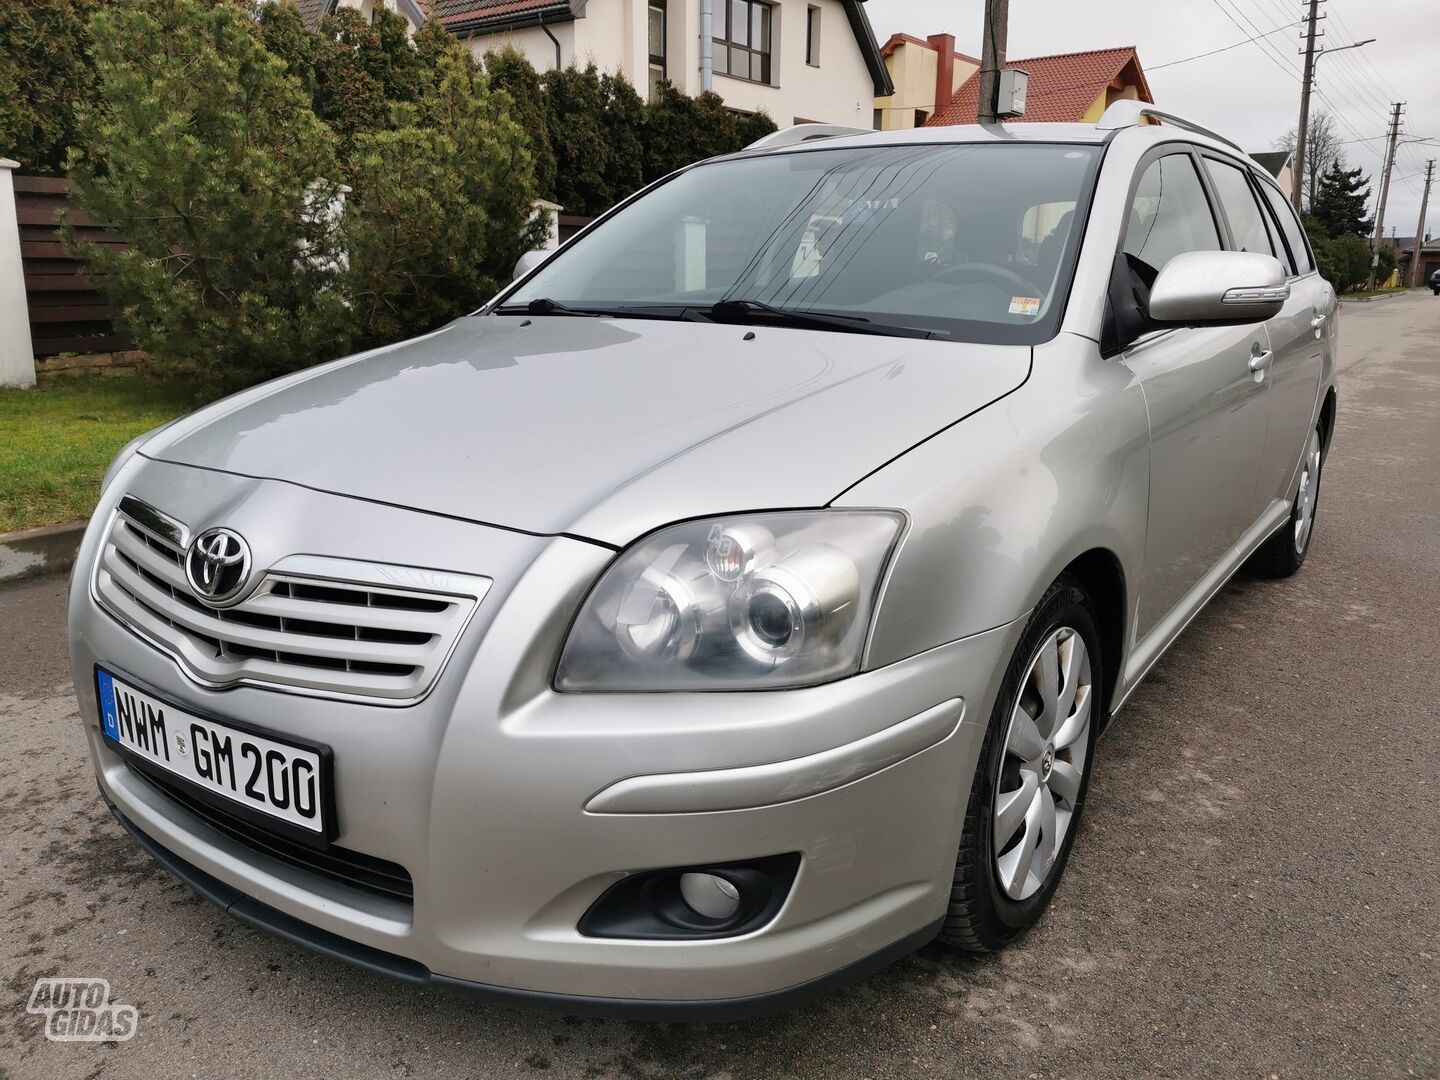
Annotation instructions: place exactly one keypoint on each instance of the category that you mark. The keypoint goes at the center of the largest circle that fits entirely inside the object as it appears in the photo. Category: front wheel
(1029, 788)
(1284, 553)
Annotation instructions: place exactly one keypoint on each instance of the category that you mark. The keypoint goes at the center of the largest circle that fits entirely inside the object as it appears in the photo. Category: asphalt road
(1255, 892)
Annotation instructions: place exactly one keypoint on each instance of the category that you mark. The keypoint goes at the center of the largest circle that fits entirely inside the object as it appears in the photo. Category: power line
(1350, 78)
(1285, 65)
(1282, 64)
(1342, 77)
(1378, 77)
(1215, 52)
(1257, 41)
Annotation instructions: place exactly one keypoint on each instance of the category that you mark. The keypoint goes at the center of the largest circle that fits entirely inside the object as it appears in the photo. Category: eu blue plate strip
(106, 686)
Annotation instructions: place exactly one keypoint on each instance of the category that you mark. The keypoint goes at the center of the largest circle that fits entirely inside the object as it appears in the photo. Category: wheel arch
(1101, 574)
(1327, 418)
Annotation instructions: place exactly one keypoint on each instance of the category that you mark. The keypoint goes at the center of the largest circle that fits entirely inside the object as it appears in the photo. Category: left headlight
(764, 601)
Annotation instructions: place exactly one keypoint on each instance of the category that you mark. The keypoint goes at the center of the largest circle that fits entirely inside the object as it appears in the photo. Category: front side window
(742, 39)
(968, 242)
(1248, 228)
(1169, 215)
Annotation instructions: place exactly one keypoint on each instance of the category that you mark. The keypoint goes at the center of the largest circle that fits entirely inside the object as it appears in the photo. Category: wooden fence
(66, 313)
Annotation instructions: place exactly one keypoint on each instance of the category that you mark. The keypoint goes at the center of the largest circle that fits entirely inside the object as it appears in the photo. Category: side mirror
(529, 261)
(1218, 288)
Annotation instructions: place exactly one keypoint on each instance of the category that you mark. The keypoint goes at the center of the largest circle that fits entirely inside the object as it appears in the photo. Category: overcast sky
(1249, 93)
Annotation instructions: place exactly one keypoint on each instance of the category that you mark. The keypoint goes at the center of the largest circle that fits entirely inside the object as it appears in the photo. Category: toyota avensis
(733, 603)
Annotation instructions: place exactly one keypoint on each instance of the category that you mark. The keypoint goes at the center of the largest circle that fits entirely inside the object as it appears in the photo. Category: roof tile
(450, 12)
(1061, 87)
(312, 11)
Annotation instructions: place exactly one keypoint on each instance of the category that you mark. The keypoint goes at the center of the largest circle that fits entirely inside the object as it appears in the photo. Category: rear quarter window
(1294, 235)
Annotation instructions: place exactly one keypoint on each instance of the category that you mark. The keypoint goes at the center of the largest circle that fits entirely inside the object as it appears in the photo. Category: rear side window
(1170, 214)
(1247, 220)
(1290, 226)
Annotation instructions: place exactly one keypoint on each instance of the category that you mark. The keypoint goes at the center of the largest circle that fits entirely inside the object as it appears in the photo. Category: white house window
(742, 40)
(812, 36)
(658, 31)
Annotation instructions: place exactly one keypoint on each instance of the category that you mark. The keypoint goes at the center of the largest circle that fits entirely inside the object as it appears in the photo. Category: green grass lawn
(57, 438)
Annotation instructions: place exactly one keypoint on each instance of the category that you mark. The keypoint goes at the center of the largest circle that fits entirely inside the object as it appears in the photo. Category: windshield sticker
(1024, 305)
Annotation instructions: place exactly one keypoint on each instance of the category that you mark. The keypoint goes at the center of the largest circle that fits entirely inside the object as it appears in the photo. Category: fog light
(708, 895)
(698, 902)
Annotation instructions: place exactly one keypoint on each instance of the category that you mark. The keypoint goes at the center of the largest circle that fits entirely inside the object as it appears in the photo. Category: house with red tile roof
(1070, 88)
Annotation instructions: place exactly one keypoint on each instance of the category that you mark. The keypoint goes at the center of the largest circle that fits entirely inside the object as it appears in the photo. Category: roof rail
(1128, 113)
(800, 133)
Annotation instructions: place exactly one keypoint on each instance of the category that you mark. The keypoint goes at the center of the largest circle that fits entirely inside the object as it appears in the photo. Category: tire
(1284, 553)
(991, 900)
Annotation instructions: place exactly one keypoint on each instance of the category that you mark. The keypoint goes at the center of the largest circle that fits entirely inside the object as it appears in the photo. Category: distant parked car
(1435, 281)
(732, 604)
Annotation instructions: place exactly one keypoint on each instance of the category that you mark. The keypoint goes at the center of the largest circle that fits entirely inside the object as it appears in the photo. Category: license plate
(286, 783)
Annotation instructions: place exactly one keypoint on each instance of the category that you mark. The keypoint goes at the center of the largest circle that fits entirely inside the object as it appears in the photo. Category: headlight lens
(761, 602)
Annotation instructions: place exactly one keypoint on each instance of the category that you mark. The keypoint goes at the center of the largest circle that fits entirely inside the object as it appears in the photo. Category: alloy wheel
(1309, 490)
(1042, 768)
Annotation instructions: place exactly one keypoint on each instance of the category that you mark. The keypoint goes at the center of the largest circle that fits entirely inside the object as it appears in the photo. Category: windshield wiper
(543, 305)
(740, 310)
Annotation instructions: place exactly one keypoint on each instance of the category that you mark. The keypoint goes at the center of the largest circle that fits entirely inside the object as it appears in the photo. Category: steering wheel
(985, 271)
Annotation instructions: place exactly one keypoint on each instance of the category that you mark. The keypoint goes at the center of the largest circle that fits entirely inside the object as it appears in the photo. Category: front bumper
(707, 1010)
(513, 808)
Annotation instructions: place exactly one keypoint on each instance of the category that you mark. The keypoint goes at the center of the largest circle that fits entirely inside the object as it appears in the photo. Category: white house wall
(613, 35)
(838, 91)
(533, 42)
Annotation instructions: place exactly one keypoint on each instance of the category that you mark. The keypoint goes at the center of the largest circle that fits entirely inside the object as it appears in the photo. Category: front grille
(365, 873)
(328, 626)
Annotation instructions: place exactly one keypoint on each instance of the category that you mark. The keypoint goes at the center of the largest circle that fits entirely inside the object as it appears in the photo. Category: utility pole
(1300, 131)
(992, 57)
(1416, 263)
(1384, 192)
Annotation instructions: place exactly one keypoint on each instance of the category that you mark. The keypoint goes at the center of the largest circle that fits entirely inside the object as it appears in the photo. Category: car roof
(1135, 122)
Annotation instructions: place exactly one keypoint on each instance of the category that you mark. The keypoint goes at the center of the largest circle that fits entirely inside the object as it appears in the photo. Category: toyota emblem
(217, 565)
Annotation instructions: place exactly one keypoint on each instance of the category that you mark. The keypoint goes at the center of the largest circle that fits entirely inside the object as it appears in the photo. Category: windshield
(970, 242)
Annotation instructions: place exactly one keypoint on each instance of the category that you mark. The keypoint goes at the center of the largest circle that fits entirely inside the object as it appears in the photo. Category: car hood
(599, 428)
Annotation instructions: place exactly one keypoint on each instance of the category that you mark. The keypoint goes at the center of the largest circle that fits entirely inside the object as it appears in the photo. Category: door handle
(1318, 321)
(1260, 359)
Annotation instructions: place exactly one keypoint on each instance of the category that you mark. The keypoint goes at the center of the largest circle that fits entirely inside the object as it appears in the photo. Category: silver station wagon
(732, 604)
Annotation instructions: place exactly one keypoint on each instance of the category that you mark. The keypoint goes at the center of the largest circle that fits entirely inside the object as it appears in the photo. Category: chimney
(944, 46)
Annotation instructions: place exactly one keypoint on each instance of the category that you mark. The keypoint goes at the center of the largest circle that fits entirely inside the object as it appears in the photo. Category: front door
(1207, 437)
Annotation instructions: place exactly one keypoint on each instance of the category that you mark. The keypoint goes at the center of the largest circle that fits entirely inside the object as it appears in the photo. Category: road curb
(32, 552)
(1375, 299)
